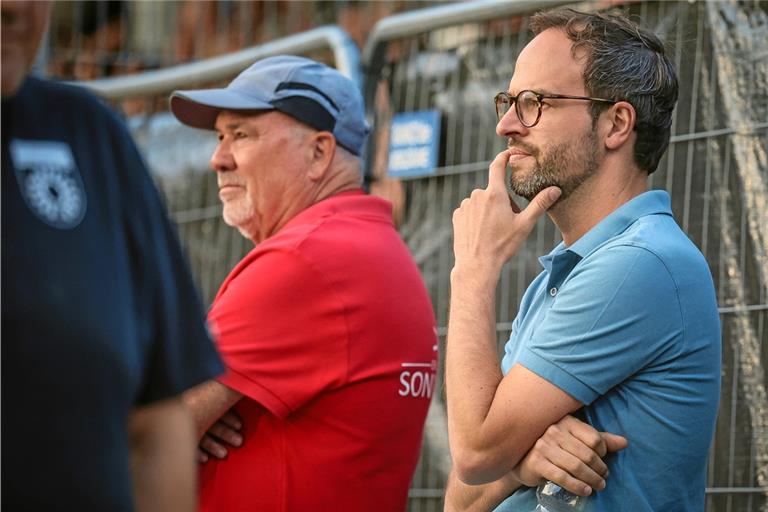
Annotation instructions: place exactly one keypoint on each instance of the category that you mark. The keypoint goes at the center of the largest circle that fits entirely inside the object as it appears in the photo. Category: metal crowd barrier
(346, 59)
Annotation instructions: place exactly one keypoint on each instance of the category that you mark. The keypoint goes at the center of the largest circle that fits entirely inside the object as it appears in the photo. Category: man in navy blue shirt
(102, 328)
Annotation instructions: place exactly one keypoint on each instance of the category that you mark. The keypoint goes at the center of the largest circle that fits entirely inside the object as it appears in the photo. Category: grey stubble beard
(553, 168)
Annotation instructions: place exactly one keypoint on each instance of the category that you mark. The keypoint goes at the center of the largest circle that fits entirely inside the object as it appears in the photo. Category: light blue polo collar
(648, 203)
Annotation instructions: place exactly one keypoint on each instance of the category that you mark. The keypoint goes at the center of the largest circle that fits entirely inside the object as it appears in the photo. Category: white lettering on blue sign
(411, 133)
(408, 158)
(414, 140)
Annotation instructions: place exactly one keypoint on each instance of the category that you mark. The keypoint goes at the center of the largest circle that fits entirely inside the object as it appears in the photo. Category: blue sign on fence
(414, 140)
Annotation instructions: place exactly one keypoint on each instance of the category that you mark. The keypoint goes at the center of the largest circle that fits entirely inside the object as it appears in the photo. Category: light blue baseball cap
(304, 89)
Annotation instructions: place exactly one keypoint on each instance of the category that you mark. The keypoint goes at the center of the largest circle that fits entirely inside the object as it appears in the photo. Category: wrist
(475, 275)
(522, 477)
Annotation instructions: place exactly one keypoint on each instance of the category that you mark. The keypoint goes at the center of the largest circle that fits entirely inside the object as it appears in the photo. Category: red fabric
(324, 328)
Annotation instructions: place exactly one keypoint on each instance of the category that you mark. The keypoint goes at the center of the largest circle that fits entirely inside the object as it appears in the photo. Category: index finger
(497, 172)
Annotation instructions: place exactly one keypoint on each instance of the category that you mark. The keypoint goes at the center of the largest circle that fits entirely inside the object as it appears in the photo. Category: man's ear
(621, 118)
(323, 149)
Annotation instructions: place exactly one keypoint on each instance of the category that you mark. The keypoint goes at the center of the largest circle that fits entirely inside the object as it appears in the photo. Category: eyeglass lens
(527, 106)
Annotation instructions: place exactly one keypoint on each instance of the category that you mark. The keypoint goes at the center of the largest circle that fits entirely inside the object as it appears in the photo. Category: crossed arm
(209, 404)
(570, 453)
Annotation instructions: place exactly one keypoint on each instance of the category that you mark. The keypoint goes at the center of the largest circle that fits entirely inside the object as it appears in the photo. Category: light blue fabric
(625, 320)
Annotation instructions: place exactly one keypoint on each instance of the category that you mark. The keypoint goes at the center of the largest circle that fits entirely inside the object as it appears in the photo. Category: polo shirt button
(553, 291)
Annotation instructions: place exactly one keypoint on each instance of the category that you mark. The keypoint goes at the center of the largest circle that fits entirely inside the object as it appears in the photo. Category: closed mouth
(517, 152)
(227, 192)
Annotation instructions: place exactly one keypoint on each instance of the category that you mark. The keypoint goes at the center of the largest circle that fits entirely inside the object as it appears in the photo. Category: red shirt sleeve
(281, 331)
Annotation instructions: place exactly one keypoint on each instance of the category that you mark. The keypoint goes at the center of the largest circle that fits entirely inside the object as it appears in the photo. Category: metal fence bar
(692, 116)
(218, 68)
(425, 20)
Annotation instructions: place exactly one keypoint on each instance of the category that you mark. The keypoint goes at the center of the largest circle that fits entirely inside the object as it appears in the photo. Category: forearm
(472, 366)
(162, 457)
(460, 497)
(207, 403)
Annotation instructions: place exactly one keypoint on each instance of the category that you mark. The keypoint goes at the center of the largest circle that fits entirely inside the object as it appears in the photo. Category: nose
(510, 124)
(222, 159)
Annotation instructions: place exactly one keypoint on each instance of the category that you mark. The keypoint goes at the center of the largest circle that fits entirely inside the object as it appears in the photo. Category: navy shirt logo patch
(50, 182)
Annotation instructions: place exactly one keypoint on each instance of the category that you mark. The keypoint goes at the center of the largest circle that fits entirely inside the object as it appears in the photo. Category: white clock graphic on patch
(49, 181)
(54, 196)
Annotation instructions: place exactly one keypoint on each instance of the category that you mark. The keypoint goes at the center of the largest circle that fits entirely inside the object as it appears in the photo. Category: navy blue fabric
(96, 318)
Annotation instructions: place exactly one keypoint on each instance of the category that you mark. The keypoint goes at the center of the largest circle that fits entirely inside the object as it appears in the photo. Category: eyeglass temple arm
(568, 97)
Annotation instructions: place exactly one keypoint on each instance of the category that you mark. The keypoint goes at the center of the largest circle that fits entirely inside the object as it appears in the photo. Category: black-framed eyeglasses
(528, 104)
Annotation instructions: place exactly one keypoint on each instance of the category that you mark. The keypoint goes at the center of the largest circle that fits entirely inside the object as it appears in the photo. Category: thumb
(541, 203)
(614, 442)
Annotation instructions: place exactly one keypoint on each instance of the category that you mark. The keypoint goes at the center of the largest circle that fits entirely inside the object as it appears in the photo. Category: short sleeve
(282, 332)
(617, 313)
(178, 350)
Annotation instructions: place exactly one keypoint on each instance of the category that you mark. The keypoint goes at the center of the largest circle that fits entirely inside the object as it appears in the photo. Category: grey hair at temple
(623, 62)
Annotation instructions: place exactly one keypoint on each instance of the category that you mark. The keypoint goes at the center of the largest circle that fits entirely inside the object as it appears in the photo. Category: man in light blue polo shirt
(621, 328)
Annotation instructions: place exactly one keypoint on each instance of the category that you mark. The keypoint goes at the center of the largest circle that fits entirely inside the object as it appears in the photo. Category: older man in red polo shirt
(326, 327)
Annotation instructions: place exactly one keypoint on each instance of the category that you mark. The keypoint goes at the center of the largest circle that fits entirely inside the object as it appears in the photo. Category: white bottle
(550, 497)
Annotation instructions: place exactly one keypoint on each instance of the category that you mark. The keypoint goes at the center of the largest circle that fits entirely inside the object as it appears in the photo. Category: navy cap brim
(200, 108)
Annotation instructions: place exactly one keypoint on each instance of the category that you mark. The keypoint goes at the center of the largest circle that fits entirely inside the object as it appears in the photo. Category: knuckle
(540, 445)
(573, 466)
(557, 474)
(599, 448)
(553, 431)
(539, 465)
(537, 460)
(595, 441)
